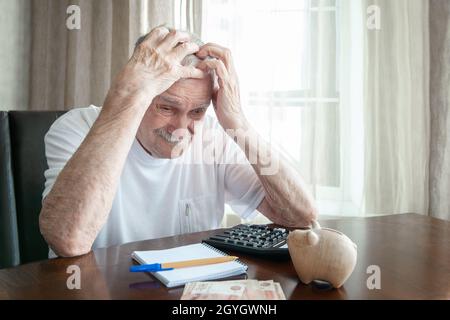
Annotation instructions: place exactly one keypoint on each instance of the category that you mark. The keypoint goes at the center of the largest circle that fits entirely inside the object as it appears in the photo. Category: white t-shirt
(160, 197)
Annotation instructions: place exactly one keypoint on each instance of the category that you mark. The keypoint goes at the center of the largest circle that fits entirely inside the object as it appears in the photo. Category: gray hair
(189, 60)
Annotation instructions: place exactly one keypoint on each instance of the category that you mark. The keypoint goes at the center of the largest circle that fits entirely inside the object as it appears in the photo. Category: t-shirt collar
(139, 152)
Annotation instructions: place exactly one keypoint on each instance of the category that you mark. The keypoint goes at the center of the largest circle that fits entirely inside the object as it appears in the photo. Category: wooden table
(412, 251)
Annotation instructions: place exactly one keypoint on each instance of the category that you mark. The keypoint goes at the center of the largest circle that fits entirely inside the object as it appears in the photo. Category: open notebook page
(181, 276)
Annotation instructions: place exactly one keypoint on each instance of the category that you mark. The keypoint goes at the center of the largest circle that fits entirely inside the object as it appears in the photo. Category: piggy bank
(322, 254)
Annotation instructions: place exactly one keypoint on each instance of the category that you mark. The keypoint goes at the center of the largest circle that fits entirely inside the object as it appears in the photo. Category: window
(293, 65)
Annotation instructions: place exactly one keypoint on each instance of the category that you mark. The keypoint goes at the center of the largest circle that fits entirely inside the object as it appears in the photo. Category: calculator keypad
(253, 239)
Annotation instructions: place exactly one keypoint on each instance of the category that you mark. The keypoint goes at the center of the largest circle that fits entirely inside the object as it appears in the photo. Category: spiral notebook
(181, 276)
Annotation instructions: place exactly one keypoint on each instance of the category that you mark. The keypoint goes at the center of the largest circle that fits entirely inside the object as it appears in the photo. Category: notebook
(181, 276)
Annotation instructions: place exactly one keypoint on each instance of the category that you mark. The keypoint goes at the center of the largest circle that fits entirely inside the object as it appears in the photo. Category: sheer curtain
(348, 105)
(300, 70)
(397, 109)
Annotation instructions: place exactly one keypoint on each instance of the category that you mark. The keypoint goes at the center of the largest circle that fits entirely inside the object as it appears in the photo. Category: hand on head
(156, 63)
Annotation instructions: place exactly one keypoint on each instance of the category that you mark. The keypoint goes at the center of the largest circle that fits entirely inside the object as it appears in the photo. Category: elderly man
(115, 173)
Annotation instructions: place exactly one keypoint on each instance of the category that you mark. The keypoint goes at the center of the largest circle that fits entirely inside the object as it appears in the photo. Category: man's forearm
(79, 203)
(286, 191)
(287, 201)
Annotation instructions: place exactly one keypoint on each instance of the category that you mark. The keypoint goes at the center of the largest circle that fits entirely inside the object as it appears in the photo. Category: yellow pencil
(197, 262)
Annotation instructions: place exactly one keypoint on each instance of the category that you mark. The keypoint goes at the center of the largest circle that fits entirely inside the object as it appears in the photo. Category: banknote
(213, 291)
(268, 289)
(233, 290)
(279, 290)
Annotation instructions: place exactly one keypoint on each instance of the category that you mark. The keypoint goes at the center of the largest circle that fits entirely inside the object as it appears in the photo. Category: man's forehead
(180, 101)
(170, 99)
(189, 86)
(193, 91)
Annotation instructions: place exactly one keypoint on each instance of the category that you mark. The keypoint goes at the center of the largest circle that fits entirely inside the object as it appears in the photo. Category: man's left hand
(226, 98)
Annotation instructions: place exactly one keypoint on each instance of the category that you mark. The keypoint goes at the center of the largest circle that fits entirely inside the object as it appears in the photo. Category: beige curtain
(14, 57)
(440, 109)
(397, 109)
(73, 68)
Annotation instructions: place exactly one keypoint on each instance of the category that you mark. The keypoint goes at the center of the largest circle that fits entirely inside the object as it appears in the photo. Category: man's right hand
(156, 64)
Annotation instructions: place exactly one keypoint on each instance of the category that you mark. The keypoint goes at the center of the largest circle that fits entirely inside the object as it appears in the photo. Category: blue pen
(148, 268)
(180, 264)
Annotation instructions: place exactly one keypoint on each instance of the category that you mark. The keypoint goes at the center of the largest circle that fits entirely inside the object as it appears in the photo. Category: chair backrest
(27, 131)
(9, 238)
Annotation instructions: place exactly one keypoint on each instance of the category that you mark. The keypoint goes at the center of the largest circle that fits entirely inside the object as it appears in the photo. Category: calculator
(258, 240)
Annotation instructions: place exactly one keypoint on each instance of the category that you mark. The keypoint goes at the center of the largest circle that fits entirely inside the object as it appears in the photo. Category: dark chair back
(27, 131)
(9, 238)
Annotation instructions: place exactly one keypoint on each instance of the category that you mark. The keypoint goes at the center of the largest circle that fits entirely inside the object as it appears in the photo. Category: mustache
(170, 138)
